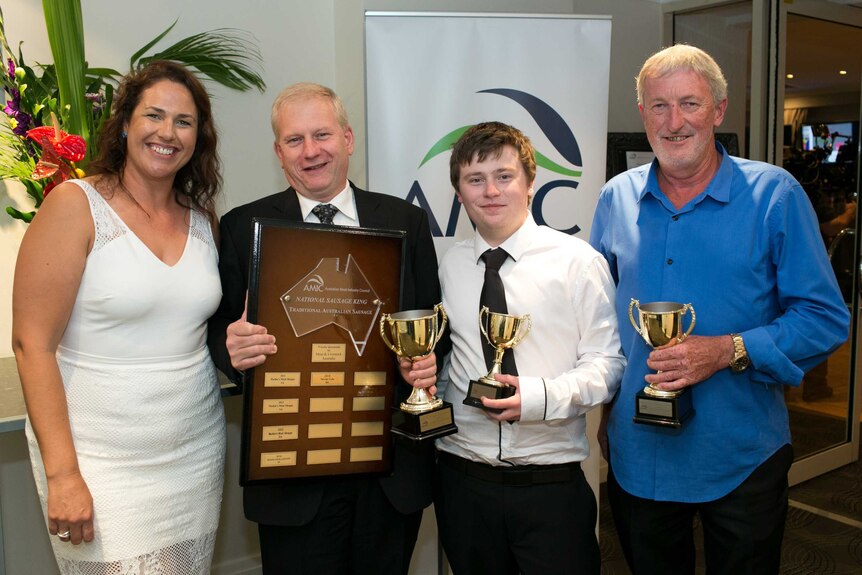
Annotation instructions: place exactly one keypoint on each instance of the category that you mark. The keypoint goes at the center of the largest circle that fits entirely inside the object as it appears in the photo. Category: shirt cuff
(768, 363)
(534, 399)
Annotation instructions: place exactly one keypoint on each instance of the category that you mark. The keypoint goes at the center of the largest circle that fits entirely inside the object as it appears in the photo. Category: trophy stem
(420, 402)
(495, 369)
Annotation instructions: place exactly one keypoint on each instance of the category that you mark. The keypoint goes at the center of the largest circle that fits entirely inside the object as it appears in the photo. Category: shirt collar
(718, 188)
(343, 201)
(515, 245)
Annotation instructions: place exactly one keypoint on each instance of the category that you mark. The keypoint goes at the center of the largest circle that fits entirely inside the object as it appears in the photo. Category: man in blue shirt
(738, 240)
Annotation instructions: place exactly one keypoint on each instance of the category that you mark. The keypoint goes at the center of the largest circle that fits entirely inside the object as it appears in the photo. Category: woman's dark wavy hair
(200, 179)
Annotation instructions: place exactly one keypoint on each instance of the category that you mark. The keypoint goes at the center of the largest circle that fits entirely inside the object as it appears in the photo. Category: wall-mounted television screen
(830, 136)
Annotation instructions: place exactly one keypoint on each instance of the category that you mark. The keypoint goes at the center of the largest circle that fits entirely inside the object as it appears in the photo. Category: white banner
(429, 76)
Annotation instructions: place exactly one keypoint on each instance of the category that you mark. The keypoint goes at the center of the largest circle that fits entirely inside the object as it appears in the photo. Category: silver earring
(124, 134)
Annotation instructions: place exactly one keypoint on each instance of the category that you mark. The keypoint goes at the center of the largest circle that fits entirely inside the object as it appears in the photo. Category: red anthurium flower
(51, 165)
(68, 146)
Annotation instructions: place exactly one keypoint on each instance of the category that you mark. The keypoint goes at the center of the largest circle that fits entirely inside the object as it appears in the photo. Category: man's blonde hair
(683, 57)
(304, 91)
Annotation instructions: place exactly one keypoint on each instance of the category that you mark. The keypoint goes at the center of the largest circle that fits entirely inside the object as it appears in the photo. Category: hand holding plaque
(503, 332)
(414, 334)
(660, 324)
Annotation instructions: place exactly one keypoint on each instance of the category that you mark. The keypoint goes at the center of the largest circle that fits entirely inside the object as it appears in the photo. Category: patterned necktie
(494, 297)
(324, 212)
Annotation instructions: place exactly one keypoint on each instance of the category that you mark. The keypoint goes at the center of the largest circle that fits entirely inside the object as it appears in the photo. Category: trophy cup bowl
(503, 332)
(660, 323)
(414, 334)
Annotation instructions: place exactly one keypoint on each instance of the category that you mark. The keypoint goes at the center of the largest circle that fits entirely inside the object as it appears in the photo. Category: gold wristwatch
(740, 361)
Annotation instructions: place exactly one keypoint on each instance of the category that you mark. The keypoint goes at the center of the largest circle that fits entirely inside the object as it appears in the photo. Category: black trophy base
(479, 389)
(428, 425)
(663, 411)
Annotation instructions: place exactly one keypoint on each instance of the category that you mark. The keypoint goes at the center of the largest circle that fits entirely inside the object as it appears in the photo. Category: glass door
(809, 123)
(817, 118)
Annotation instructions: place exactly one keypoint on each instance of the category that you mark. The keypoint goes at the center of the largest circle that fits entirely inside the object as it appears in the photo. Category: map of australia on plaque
(328, 295)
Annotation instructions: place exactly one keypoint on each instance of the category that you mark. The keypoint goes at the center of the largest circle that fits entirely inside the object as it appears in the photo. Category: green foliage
(80, 96)
(66, 35)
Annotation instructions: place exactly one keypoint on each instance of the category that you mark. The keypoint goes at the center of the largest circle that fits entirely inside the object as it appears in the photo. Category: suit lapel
(290, 205)
(366, 209)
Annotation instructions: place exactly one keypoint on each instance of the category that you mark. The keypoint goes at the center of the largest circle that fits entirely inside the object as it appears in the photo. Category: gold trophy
(503, 332)
(415, 334)
(661, 323)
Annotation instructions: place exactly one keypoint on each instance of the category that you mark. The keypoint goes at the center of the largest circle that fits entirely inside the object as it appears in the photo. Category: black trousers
(742, 531)
(356, 532)
(493, 522)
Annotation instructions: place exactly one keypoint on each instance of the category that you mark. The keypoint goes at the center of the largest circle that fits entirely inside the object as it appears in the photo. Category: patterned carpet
(823, 534)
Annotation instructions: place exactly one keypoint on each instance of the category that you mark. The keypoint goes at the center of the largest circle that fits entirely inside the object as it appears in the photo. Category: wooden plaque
(322, 404)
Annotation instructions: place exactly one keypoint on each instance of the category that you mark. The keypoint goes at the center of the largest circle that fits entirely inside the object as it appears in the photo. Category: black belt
(519, 475)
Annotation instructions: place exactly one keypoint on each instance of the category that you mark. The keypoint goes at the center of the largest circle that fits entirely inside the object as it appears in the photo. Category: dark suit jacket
(295, 502)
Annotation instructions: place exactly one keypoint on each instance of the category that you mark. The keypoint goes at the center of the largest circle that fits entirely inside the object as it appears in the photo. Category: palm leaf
(227, 56)
(136, 56)
(104, 73)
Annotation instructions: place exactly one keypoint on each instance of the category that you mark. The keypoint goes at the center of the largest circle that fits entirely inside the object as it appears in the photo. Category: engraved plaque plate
(278, 459)
(366, 428)
(280, 432)
(365, 453)
(326, 378)
(369, 403)
(281, 379)
(328, 352)
(287, 405)
(324, 430)
(369, 378)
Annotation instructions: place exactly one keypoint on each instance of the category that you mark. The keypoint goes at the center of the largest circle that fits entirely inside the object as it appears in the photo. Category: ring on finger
(64, 536)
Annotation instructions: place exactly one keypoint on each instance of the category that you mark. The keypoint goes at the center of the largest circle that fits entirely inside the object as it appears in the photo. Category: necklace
(140, 207)
(118, 183)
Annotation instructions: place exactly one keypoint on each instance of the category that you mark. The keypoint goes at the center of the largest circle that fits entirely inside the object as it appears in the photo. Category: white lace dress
(144, 404)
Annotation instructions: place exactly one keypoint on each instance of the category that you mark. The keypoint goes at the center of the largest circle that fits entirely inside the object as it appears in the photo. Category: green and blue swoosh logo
(550, 123)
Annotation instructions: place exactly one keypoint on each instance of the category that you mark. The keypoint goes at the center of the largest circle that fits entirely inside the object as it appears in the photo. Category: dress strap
(107, 224)
(200, 228)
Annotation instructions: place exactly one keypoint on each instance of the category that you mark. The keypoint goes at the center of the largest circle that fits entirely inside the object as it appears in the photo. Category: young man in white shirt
(509, 494)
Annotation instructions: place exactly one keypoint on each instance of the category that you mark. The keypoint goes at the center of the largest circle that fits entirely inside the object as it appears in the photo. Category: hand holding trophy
(661, 323)
(415, 333)
(503, 332)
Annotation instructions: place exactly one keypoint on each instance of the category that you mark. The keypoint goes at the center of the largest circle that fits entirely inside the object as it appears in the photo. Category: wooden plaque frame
(322, 405)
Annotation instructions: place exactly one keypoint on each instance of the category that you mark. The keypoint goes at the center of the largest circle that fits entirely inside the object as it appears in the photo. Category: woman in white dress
(116, 277)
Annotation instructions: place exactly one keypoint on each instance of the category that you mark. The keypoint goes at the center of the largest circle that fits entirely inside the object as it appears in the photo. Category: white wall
(320, 41)
(313, 40)
(635, 34)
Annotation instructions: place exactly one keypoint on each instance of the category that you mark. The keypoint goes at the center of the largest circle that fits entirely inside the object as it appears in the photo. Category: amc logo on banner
(555, 129)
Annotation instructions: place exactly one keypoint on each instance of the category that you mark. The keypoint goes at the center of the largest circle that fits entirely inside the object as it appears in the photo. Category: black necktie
(494, 298)
(324, 212)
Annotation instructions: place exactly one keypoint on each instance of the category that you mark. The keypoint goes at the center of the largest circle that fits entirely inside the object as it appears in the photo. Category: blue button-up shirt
(747, 254)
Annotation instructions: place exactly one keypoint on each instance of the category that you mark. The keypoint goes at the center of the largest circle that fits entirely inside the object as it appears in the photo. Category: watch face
(740, 364)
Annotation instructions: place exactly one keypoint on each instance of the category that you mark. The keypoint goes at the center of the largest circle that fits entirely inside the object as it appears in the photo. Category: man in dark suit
(339, 524)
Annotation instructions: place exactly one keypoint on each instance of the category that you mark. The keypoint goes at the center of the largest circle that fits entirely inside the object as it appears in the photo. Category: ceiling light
(842, 72)
(790, 76)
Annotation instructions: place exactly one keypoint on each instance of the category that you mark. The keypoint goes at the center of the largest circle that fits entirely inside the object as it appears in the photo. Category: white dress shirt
(570, 361)
(344, 201)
